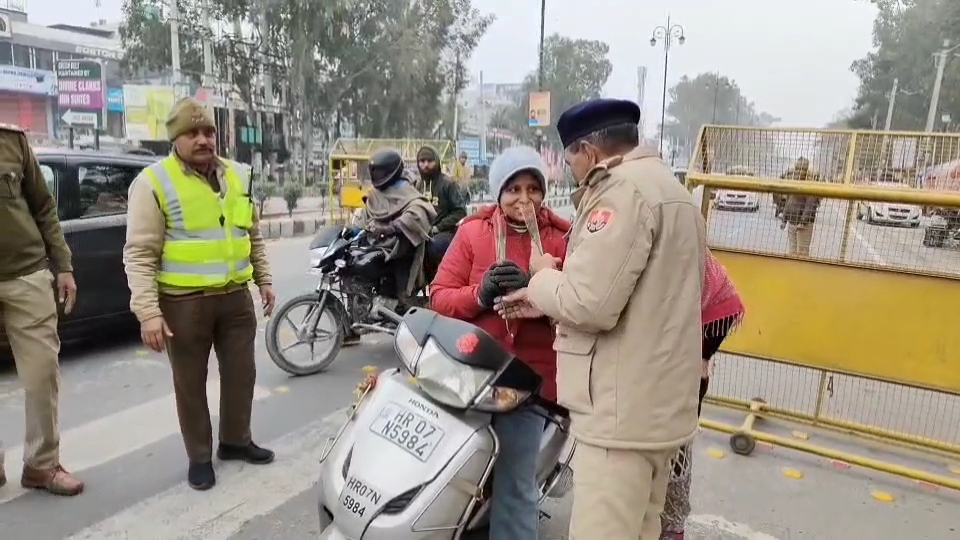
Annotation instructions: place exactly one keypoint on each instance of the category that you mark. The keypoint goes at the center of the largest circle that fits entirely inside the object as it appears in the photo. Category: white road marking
(714, 526)
(874, 254)
(243, 492)
(116, 435)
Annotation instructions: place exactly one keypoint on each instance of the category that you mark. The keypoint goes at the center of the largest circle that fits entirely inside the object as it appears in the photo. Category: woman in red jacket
(489, 257)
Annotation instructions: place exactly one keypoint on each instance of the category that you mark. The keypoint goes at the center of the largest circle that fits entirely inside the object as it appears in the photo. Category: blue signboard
(472, 148)
(115, 99)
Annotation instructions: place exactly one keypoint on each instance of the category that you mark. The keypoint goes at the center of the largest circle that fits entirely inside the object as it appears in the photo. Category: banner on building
(145, 111)
(539, 109)
(471, 147)
(80, 92)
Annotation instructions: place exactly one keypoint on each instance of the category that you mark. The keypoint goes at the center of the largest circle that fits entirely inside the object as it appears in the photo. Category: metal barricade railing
(850, 328)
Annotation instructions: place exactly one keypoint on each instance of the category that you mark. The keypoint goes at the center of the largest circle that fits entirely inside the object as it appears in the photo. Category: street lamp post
(667, 34)
(543, 25)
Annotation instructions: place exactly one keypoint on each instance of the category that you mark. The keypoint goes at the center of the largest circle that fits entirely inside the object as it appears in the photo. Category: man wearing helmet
(398, 219)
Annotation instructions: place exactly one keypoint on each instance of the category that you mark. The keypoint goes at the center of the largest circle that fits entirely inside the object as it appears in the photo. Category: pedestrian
(627, 306)
(33, 256)
(721, 311)
(193, 246)
(489, 257)
(799, 212)
(446, 197)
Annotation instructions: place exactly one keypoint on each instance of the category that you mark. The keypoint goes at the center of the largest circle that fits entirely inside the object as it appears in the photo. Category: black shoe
(250, 453)
(351, 339)
(201, 476)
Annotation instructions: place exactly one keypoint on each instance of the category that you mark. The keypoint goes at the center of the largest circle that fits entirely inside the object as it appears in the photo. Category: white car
(736, 200)
(882, 213)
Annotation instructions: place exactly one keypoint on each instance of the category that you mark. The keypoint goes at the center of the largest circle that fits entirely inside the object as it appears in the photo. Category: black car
(91, 191)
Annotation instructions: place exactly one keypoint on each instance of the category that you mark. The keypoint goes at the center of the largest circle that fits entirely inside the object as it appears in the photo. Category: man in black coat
(446, 197)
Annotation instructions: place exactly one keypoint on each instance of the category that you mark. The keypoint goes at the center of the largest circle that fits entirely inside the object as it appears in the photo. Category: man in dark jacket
(799, 212)
(446, 198)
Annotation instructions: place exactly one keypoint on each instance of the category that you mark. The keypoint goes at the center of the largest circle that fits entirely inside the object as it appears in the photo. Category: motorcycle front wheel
(320, 325)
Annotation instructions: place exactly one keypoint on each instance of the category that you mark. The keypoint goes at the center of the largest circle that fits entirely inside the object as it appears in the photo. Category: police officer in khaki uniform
(798, 213)
(31, 245)
(193, 246)
(627, 307)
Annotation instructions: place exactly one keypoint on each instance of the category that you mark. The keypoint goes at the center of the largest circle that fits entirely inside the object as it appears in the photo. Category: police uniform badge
(598, 219)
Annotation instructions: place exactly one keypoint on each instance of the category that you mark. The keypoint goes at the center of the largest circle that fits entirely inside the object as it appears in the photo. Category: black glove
(500, 279)
(509, 277)
(382, 231)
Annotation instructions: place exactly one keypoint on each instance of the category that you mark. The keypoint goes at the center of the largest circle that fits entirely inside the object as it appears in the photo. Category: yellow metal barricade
(851, 319)
(349, 177)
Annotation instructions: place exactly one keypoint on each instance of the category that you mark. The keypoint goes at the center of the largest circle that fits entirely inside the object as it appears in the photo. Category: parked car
(883, 213)
(91, 191)
(728, 199)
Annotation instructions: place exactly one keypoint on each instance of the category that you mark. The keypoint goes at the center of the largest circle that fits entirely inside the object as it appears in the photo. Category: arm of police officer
(600, 274)
(43, 207)
(261, 265)
(146, 226)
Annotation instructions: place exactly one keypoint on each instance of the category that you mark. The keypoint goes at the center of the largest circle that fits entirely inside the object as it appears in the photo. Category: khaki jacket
(146, 229)
(627, 305)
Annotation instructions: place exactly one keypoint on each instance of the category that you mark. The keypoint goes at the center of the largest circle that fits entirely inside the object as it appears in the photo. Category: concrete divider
(308, 225)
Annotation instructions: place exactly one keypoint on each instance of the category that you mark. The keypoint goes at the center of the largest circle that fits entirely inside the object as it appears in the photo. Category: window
(103, 189)
(51, 179)
(21, 56)
(6, 54)
(45, 59)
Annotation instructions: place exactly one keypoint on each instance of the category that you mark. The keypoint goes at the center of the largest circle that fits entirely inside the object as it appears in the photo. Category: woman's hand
(509, 277)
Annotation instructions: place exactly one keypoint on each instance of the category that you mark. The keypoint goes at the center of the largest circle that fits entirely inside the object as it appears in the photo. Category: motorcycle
(414, 459)
(349, 295)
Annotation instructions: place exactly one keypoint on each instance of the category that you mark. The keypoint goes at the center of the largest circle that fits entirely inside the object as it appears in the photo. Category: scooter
(414, 459)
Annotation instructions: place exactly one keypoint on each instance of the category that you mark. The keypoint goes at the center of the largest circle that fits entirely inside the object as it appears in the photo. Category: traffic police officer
(193, 246)
(627, 307)
(31, 245)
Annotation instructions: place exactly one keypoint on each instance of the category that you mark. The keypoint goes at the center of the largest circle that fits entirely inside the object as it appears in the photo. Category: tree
(708, 98)
(906, 34)
(574, 70)
(379, 67)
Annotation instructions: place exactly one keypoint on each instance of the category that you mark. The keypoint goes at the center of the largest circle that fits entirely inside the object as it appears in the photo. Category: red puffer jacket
(453, 292)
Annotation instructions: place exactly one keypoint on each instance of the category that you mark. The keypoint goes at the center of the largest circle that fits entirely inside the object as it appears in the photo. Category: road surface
(119, 433)
(877, 245)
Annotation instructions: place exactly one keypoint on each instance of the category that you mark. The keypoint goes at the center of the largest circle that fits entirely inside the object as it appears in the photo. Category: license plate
(407, 430)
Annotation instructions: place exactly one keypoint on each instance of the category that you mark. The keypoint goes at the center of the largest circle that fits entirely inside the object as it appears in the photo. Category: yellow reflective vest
(207, 241)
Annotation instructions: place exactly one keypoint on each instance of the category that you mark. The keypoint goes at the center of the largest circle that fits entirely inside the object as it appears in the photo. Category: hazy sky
(791, 57)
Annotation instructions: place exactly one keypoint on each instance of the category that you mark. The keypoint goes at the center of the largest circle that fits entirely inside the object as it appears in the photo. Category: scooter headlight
(444, 380)
(316, 254)
(500, 399)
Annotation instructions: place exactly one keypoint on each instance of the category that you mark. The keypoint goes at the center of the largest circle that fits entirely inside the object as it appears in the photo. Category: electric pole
(937, 83)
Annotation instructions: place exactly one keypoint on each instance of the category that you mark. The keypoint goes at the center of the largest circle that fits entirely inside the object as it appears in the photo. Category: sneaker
(55, 480)
(250, 453)
(201, 477)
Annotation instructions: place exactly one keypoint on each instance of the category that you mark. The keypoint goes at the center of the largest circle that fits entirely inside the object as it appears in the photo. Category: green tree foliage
(574, 70)
(708, 98)
(906, 35)
(380, 67)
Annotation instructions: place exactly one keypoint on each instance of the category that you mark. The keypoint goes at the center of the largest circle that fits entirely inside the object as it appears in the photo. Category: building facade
(28, 58)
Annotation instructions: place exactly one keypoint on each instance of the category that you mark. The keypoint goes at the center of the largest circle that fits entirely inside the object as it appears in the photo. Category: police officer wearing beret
(627, 308)
(193, 247)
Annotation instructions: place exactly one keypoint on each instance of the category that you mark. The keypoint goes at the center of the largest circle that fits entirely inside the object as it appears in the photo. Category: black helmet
(385, 166)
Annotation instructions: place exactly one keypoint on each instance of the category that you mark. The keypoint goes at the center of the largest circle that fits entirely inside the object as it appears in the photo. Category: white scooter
(414, 460)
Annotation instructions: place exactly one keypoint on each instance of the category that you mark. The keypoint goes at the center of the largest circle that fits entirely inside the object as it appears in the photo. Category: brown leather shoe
(55, 480)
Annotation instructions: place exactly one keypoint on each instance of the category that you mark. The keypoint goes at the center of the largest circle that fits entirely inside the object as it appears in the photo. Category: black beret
(592, 116)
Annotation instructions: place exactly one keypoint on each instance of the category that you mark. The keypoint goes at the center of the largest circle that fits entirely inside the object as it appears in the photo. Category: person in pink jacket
(721, 311)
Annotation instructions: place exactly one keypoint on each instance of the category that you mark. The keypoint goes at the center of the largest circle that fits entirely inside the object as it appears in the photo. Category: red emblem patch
(598, 219)
(467, 343)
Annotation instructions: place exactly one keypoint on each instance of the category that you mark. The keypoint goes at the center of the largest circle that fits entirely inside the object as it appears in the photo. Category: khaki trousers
(29, 313)
(618, 494)
(799, 239)
(227, 323)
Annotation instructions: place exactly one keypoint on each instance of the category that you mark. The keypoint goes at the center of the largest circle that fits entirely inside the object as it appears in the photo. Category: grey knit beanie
(510, 162)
